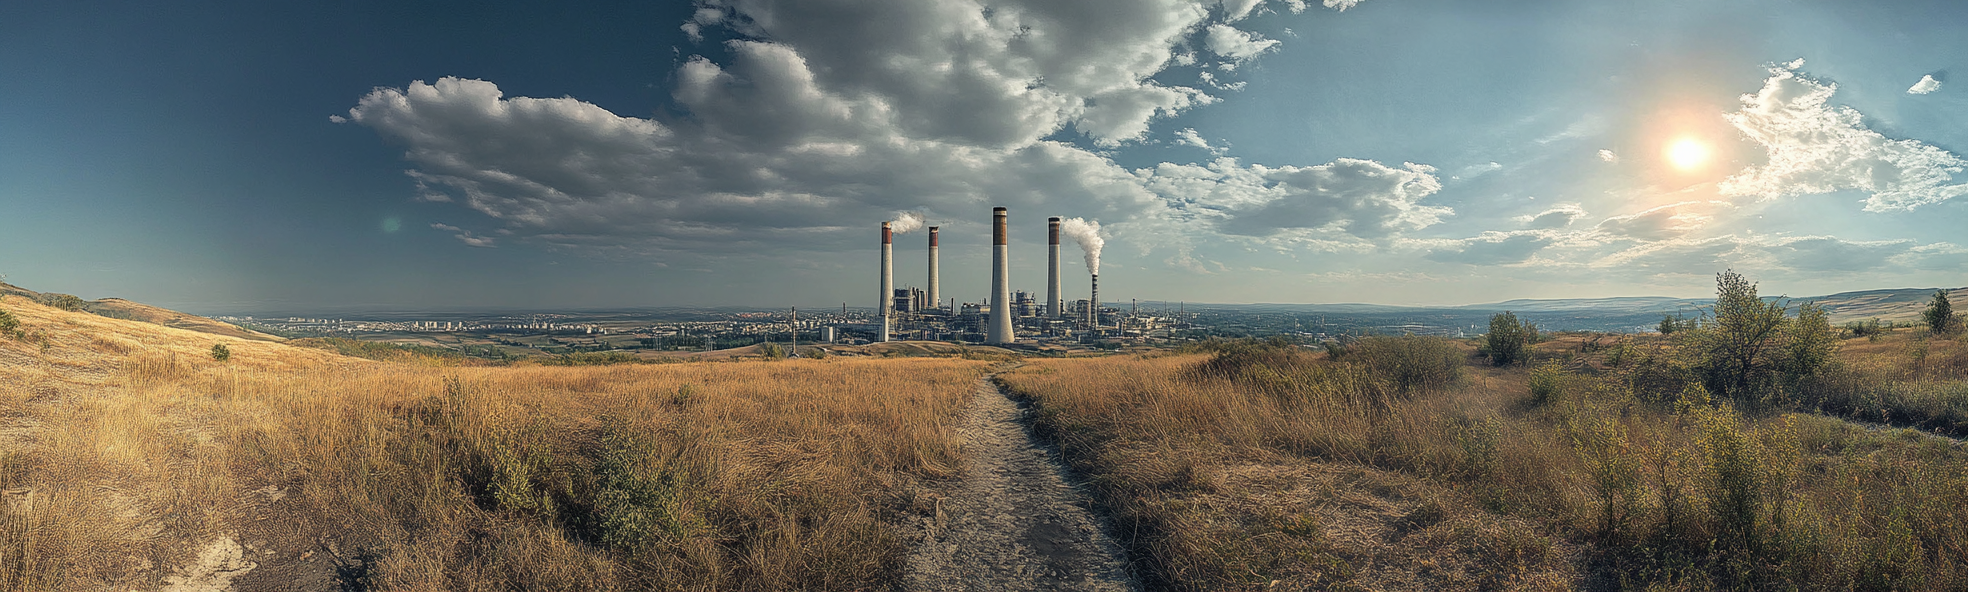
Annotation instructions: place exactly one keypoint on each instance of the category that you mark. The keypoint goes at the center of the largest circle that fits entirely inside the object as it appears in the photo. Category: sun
(1687, 154)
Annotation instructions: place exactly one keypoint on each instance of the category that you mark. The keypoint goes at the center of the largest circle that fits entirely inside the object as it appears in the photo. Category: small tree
(1939, 313)
(1736, 350)
(772, 351)
(1809, 341)
(9, 326)
(1507, 338)
(220, 352)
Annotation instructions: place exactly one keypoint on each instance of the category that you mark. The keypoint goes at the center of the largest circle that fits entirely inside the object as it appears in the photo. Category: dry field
(131, 459)
(1414, 467)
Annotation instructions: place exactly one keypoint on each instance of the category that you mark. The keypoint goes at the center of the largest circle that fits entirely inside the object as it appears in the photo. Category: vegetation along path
(1013, 522)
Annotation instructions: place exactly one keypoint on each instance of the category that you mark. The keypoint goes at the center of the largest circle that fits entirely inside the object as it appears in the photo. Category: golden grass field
(134, 460)
(1295, 471)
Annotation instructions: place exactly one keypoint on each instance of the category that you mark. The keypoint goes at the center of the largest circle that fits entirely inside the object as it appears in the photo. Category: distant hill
(118, 308)
(1902, 304)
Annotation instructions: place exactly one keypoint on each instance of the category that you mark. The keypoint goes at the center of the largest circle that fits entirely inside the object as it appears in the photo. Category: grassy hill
(132, 459)
(124, 309)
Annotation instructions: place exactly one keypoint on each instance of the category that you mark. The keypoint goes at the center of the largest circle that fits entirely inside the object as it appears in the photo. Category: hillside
(119, 308)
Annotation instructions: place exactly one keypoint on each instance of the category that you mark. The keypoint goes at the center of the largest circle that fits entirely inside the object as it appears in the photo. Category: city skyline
(238, 158)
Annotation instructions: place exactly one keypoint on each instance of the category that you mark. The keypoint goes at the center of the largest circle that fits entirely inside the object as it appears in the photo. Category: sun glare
(1687, 154)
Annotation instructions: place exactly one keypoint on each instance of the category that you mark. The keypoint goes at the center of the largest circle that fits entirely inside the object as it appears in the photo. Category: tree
(1809, 341)
(1736, 350)
(1939, 313)
(1507, 338)
(220, 352)
(1667, 324)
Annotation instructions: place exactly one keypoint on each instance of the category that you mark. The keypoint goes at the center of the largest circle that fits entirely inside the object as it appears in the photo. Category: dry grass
(1304, 471)
(127, 448)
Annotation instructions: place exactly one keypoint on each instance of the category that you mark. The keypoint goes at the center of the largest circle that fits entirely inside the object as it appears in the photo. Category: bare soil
(1015, 520)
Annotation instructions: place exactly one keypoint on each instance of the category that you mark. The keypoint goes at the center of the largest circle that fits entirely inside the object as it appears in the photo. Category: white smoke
(1087, 234)
(905, 222)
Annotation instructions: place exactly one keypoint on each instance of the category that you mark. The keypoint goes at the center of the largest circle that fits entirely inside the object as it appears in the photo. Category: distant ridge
(1892, 304)
(118, 308)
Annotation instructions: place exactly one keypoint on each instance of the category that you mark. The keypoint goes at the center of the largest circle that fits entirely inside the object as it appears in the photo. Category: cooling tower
(887, 301)
(1093, 304)
(1054, 306)
(1000, 332)
(935, 293)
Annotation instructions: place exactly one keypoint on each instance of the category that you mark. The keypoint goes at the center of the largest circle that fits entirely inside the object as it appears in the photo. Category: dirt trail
(1013, 522)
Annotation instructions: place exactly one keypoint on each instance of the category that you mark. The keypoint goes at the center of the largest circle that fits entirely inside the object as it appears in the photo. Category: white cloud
(465, 235)
(1662, 222)
(1236, 44)
(1557, 217)
(1818, 148)
(1342, 5)
(1609, 156)
(1188, 137)
(1344, 201)
(1493, 248)
(1236, 10)
(1926, 85)
(819, 117)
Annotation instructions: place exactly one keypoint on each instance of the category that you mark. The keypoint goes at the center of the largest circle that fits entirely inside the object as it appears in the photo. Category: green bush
(220, 352)
(1738, 355)
(1507, 339)
(1410, 362)
(772, 351)
(67, 302)
(9, 326)
(1939, 313)
(1868, 329)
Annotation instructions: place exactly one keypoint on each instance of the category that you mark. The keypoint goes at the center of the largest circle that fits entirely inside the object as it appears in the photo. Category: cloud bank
(1814, 147)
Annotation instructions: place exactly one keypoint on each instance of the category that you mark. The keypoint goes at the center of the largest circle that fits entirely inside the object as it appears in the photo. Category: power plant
(887, 282)
(1054, 306)
(1005, 315)
(1000, 332)
(935, 295)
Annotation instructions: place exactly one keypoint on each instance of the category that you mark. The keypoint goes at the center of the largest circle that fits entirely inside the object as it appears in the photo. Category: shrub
(9, 326)
(1808, 342)
(1547, 384)
(772, 351)
(1868, 329)
(1507, 338)
(67, 302)
(1411, 362)
(1939, 313)
(1735, 353)
(220, 352)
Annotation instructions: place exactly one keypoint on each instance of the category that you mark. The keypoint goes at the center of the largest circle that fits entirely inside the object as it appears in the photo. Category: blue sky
(236, 157)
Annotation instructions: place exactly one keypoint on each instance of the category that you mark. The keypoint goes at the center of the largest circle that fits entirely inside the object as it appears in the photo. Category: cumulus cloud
(1814, 147)
(1608, 156)
(821, 117)
(1493, 248)
(1236, 44)
(1659, 223)
(1557, 217)
(1344, 199)
(465, 235)
(1342, 5)
(1926, 85)
(1188, 137)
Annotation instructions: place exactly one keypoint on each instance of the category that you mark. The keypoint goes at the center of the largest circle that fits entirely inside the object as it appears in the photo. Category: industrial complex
(1010, 316)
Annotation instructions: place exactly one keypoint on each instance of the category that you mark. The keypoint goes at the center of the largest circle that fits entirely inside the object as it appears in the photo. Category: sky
(233, 157)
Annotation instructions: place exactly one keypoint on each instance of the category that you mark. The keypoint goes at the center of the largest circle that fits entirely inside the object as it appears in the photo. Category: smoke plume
(905, 222)
(1087, 234)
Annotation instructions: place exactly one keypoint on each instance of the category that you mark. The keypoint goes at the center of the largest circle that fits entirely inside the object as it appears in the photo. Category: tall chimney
(1093, 305)
(935, 297)
(1054, 306)
(887, 281)
(1000, 332)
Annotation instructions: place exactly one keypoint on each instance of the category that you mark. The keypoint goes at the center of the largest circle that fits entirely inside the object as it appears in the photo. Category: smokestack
(887, 280)
(1000, 332)
(1093, 304)
(935, 297)
(1054, 308)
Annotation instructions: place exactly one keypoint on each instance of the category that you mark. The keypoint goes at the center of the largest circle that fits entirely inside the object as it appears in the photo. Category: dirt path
(1013, 522)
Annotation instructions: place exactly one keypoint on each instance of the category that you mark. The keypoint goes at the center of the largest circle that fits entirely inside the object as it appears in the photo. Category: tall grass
(135, 445)
(1657, 484)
